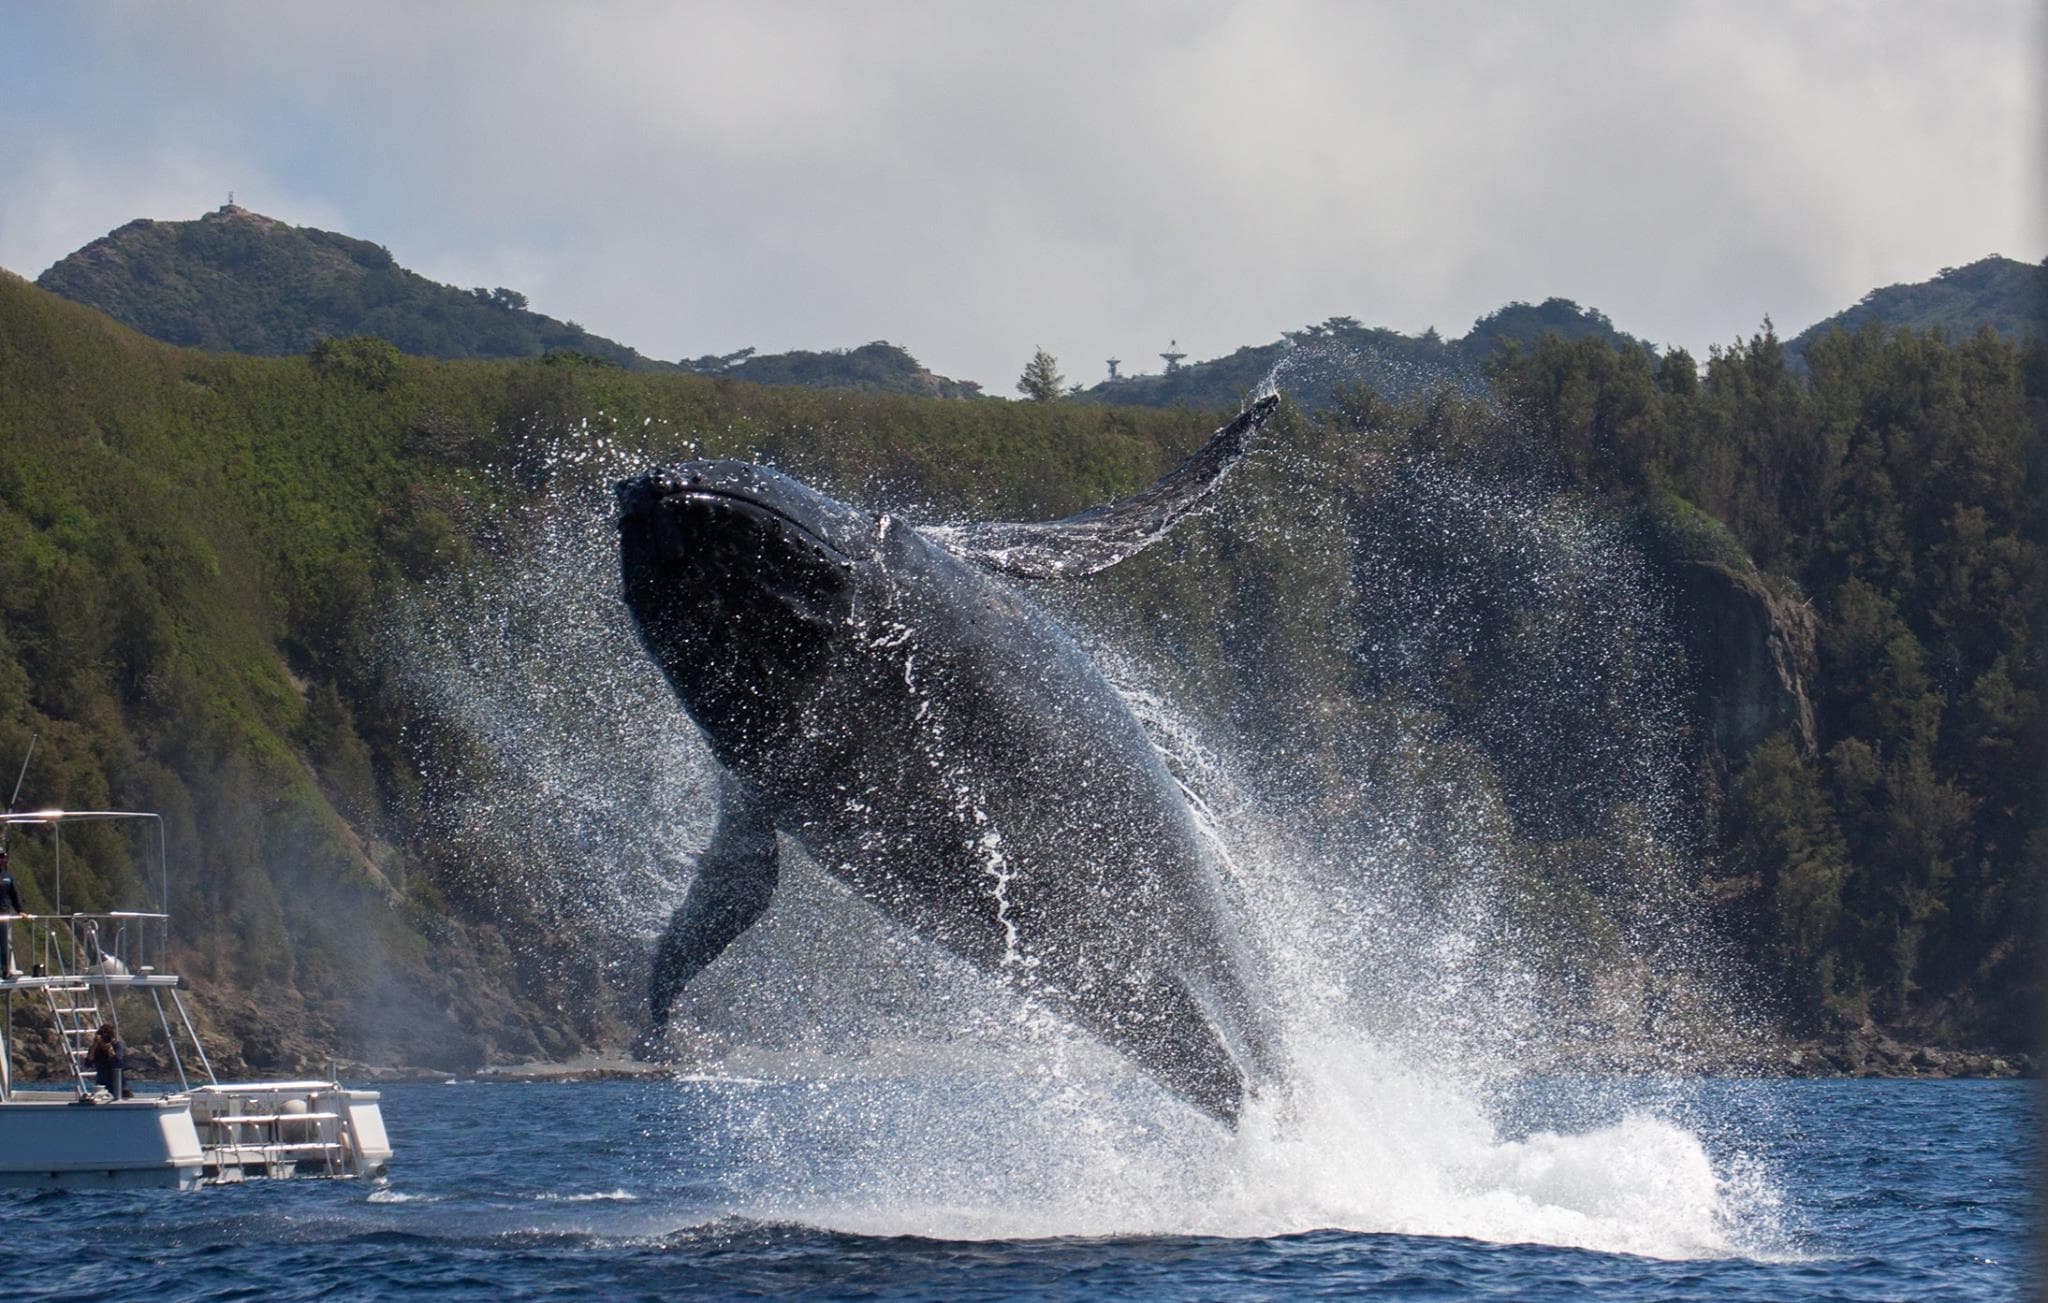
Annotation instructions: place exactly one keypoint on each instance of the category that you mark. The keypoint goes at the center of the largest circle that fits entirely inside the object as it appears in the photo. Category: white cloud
(972, 181)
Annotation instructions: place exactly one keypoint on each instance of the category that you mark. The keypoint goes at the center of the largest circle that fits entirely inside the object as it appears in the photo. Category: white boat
(69, 970)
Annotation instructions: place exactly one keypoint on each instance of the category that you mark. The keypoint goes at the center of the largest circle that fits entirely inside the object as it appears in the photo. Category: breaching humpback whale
(942, 745)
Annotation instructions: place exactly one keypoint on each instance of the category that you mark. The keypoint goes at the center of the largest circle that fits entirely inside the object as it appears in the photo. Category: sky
(974, 181)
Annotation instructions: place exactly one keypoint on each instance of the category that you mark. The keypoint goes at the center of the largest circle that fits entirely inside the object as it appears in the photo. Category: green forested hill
(2009, 296)
(237, 281)
(880, 367)
(198, 552)
(1313, 363)
(241, 282)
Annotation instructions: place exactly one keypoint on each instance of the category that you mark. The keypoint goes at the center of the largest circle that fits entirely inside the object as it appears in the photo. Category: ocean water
(916, 1186)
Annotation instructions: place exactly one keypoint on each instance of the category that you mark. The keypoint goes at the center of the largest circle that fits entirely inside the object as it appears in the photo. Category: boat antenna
(19, 780)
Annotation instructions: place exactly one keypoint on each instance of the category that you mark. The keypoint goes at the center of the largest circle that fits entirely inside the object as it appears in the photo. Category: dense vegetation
(238, 281)
(1892, 870)
(195, 549)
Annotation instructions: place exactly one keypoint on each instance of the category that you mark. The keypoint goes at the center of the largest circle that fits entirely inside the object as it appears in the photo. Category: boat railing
(77, 963)
(108, 945)
(115, 943)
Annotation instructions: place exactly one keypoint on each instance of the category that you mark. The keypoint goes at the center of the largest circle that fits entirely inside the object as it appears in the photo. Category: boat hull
(210, 1135)
(51, 1142)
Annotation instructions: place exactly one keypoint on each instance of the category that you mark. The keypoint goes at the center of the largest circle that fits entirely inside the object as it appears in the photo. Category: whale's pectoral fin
(735, 879)
(1100, 537)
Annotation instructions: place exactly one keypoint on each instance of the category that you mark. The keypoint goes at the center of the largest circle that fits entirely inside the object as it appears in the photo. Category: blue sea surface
(1822, 1190)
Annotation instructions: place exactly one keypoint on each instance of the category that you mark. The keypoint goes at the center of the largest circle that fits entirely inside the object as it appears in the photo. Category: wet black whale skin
(942, 745)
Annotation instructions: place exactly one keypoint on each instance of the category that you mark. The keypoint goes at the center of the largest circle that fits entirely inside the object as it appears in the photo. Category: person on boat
(108, 1058)
(10, 906)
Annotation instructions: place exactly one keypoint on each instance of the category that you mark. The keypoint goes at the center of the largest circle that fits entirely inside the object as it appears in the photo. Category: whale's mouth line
(703, 494)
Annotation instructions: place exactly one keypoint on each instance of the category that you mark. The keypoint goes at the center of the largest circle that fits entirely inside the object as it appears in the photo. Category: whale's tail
(1098, 538)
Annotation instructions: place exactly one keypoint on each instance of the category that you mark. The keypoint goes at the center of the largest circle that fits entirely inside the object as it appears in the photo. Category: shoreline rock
(1863, 1054)
(1881, 1056)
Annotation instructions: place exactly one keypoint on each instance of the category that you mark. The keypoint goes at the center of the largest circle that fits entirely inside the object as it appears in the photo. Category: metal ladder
(281, 1142)
(77, 1023)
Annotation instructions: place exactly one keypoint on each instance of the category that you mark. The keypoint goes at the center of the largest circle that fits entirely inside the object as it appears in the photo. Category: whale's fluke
(1098, 538)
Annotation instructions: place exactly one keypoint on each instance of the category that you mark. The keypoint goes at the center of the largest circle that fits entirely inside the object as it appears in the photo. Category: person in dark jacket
(108, 1058)
(10, 903)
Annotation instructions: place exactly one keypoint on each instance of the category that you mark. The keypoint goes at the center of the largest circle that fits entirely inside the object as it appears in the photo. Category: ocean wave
(598, 1196)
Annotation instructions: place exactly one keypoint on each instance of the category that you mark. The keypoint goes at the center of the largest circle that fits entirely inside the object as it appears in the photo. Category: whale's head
(740, 579)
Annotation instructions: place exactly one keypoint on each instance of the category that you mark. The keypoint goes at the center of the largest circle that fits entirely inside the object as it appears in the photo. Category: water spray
(926, 1097)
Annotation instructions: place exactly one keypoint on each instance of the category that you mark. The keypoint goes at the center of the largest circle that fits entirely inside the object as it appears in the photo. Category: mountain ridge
(1316, 362)
(2003, 293)
(237, 281)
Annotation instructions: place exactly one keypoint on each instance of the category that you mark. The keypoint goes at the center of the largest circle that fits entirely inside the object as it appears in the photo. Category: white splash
(596, 1196)
(890, 1089)
(1365, 1144)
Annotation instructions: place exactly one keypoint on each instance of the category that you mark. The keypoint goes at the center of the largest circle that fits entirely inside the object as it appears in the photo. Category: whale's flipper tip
(1100, 537)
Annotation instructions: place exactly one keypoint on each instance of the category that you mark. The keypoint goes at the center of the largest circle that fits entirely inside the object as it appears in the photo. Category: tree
(371, 362)
(1786, 836)
(1041, 381)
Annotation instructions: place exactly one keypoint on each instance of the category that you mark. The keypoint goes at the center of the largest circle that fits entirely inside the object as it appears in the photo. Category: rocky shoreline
(1881, 1056)
(1862, 1055)
(590, 1067)
(1856, 1058)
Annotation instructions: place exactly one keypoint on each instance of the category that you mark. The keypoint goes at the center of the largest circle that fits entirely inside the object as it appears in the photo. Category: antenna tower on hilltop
(1173, 356)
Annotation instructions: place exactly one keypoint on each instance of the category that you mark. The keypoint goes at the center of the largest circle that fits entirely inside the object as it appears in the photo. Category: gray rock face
(1753, 652)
